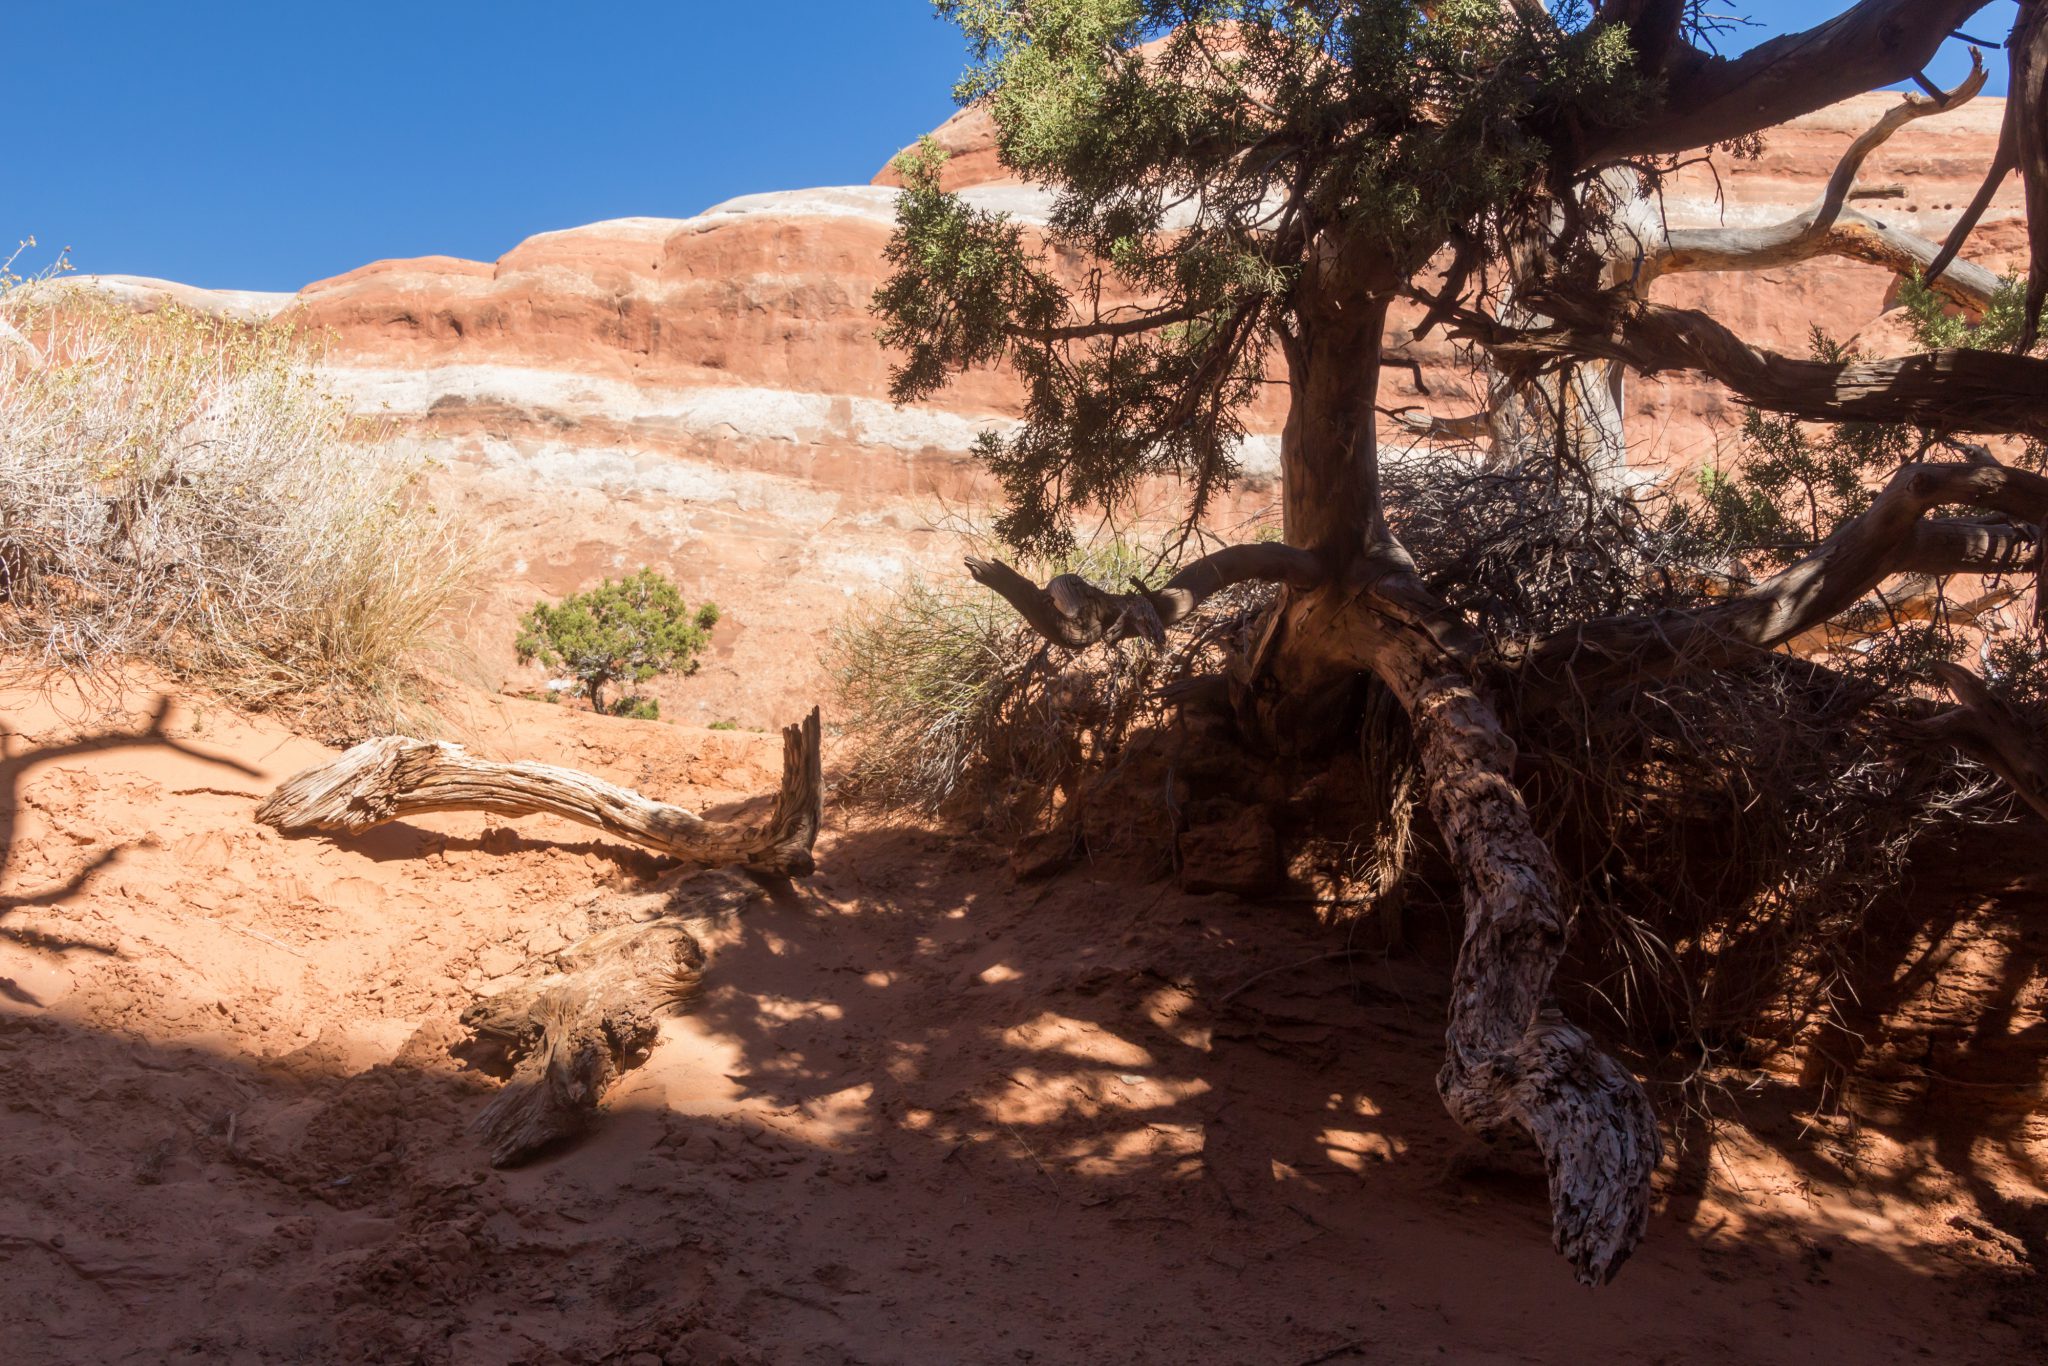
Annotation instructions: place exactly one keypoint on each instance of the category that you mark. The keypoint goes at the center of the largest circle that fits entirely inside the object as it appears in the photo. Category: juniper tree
(625, 630)
(1244, 189)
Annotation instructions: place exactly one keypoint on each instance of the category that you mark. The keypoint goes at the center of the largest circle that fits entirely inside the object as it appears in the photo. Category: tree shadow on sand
(17, 760)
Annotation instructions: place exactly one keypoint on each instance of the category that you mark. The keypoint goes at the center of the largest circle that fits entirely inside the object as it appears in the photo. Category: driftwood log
(595, 1011)
(394, 777)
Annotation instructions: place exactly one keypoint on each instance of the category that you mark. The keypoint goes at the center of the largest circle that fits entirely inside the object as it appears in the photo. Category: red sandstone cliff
(706, 395)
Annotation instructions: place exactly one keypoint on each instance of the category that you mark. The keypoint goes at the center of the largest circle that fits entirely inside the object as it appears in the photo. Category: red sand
(921, 1115)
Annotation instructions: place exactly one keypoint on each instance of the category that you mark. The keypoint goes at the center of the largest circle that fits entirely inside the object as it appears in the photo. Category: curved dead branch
(1073, 612)
(2004, 161)
(394, 777)
(1831, 228)
(1984, 728)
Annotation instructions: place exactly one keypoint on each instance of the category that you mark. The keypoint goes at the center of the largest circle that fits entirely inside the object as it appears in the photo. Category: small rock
(1240, 855)
(496, 961)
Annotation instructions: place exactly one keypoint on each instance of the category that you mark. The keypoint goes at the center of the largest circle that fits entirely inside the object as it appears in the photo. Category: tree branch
(1890, 537)
(1711, 99)
(1073, 612)
(1986, 729)
(1831, 227)
(1953, 390)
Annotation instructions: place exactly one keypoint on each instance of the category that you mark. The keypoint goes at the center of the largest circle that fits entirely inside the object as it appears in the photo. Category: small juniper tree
(627, 630)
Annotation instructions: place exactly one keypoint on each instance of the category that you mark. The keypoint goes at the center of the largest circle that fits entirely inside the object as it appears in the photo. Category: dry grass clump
(179, 488)
(953, 704)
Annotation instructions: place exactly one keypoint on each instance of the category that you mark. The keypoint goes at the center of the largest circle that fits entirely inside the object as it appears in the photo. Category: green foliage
(1936, 322)
(1793, 482)
(1142, 316)
(628, 630)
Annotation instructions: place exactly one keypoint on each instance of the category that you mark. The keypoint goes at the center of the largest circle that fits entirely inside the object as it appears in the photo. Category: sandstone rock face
(706, 394)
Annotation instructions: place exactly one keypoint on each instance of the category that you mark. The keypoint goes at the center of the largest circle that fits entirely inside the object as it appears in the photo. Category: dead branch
(576, 1028)
(1073, 612)
(1951, 390)
(1983, 727)
(1512, 1059)
(1831, 227)
(1890, 537)
(595, 1010)
(394, 777)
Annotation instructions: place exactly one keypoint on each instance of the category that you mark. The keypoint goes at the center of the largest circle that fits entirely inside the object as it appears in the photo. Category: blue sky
(265, 144)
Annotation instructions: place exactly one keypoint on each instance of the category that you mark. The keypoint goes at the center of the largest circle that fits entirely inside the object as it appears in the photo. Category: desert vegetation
(622, 631)
(179, 488)
(1692, 730)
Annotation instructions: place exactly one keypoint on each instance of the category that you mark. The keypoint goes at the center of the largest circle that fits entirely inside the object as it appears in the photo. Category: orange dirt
(921, 1114)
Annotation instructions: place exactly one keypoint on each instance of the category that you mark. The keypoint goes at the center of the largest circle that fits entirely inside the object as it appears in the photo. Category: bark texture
(1512, 1057)
(1073, 612)
(574, 1030)
(1712, 99)
(394, 777)
(1955, 390)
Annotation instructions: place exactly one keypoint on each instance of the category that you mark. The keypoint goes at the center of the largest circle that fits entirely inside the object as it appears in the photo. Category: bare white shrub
(181, 488)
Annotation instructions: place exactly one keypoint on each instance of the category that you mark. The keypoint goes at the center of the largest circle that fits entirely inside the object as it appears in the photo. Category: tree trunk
(1512, 1058)
(1330, 484)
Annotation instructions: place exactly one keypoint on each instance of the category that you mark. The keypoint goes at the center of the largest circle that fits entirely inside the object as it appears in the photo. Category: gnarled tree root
(390, 778)
(574, 1030)
(595, 1012)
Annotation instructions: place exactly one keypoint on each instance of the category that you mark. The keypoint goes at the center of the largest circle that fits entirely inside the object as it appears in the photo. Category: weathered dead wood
(574, 1030)
(394, 777)
(1073, 612)
(1830, 227)
(1952, 390)
(1512, 1058)
(2004, 161)
(595, 1009)
(1984, 728)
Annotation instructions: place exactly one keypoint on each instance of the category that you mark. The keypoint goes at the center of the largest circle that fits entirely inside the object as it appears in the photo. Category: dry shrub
(179, 488)
(1727, 832)
(954, 705)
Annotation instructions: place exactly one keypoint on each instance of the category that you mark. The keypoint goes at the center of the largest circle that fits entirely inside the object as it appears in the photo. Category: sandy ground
(921, 1114)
